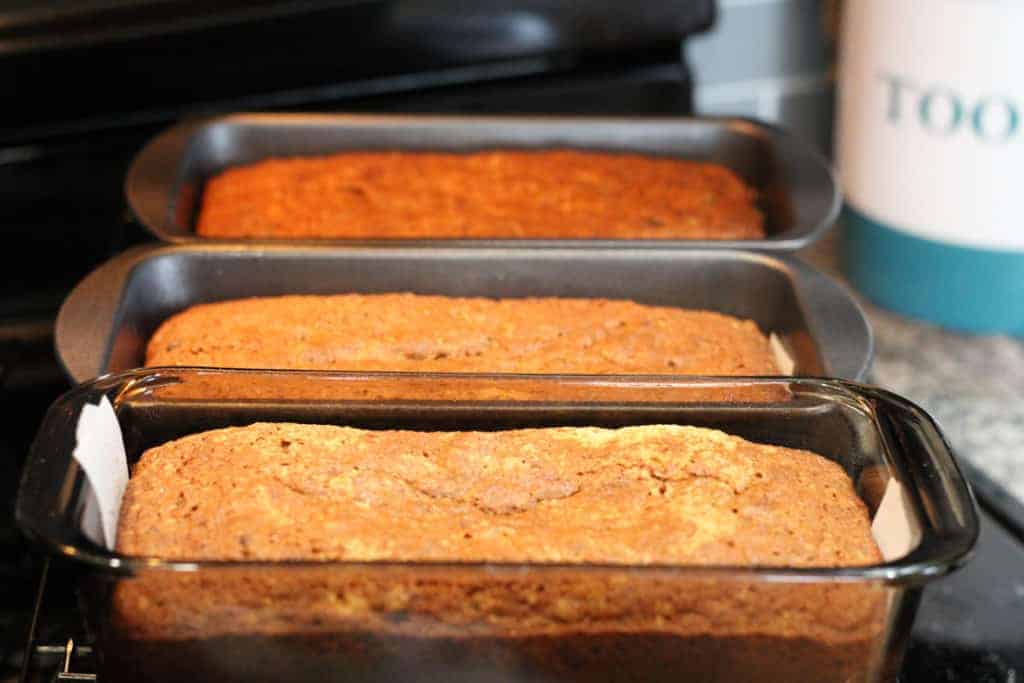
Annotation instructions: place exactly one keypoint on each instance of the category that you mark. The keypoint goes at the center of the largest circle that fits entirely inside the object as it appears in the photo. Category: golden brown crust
(636, 495)
(407, 332)
(639, 495)
(490, 194)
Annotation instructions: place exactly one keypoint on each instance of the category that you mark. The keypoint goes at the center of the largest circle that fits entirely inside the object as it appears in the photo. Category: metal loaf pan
(797, 192)
(185, 618)
(107, 319)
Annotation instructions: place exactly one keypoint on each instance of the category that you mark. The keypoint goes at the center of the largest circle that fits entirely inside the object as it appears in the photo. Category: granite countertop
(973, 385)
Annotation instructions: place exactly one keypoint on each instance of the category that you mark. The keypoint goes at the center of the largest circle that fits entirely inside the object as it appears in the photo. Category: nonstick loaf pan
(106, 321)
(796, 190)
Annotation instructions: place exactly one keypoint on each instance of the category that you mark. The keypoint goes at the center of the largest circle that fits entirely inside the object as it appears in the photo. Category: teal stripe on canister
(965, 288)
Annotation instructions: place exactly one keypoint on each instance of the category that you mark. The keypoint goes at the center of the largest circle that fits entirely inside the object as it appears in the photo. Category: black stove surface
(970, 626)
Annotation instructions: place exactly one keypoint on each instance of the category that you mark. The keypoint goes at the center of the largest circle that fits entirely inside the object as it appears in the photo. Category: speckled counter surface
(973, 385)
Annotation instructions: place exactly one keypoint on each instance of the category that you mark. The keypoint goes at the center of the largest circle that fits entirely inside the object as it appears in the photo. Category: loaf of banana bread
(407, 332)
(635, 495)
(545, 502)
(549, 194)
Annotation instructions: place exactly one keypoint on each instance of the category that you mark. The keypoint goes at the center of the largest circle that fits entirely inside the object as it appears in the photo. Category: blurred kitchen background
(775, 60)
(770, 60)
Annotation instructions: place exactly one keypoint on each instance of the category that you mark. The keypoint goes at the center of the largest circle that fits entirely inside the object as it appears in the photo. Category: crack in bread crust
(657, 494)
(635, 495)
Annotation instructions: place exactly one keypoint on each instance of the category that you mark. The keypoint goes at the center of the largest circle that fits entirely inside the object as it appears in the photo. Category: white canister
(930, 150)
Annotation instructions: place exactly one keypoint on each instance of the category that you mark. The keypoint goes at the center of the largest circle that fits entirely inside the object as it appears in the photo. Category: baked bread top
(508, 194)
(407, 332)
(657, 494)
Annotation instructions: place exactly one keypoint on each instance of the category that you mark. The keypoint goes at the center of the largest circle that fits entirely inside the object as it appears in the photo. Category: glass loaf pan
(161, 620)
(796, 190)
(106, 322)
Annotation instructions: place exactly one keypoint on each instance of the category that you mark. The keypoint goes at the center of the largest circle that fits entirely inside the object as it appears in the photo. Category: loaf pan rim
(96, 301)
(149, 176)
(934, 556)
